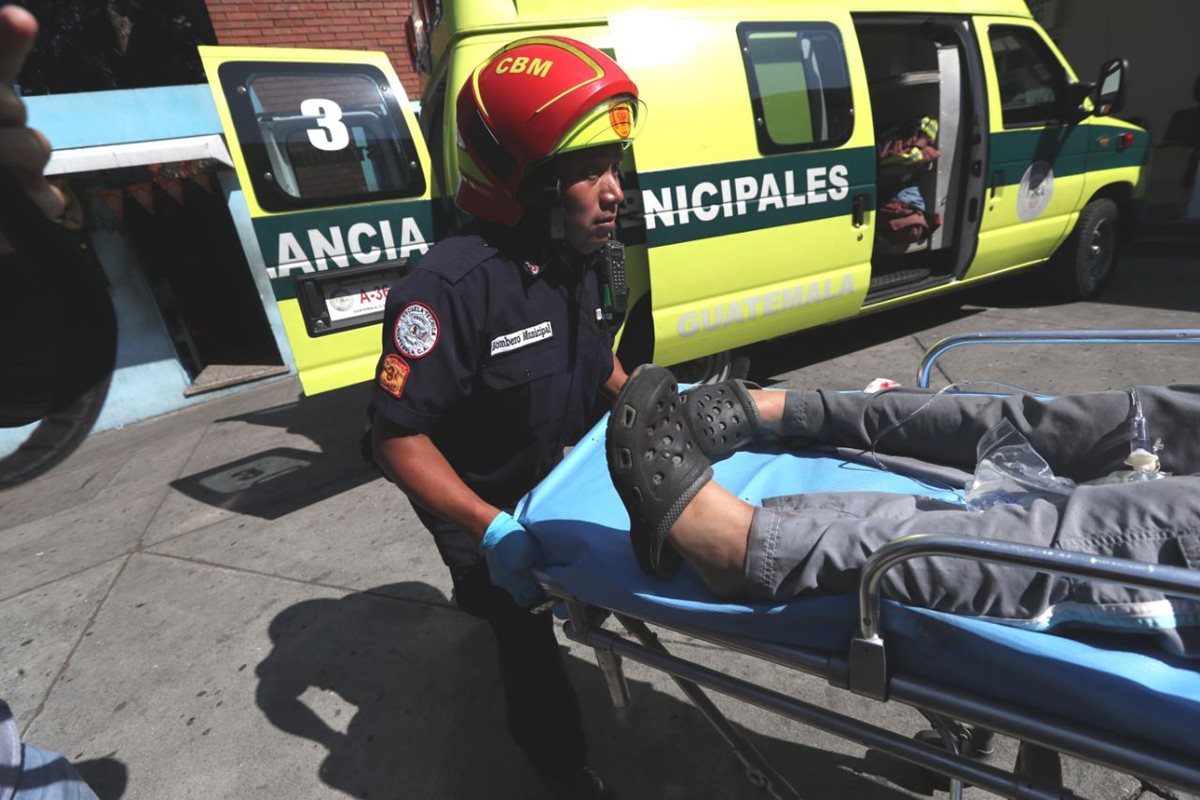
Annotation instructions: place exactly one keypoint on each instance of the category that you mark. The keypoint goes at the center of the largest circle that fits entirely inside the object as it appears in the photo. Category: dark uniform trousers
(543, 713)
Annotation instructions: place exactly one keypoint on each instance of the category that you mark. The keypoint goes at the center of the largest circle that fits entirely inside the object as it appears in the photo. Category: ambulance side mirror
(1109, 96)
(1072, 106)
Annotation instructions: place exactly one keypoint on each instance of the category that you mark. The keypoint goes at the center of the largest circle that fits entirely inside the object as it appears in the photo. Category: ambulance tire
(712, 369)
(637, 347)
(1085, 262)
(56, 436)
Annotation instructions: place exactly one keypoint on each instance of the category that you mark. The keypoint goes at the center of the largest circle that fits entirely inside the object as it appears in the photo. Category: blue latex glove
(511, 554)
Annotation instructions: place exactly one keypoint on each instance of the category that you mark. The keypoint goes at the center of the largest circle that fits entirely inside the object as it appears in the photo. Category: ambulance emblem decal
(1035, 191)
(416, 330)
(620, 117)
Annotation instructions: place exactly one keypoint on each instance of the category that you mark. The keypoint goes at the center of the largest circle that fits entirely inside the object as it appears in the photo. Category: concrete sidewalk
(226, 602)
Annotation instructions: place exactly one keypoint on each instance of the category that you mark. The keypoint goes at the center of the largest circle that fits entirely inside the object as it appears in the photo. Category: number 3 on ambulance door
(332, 135)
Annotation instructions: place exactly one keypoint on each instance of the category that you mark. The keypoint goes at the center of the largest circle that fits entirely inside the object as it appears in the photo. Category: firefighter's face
(590, 184)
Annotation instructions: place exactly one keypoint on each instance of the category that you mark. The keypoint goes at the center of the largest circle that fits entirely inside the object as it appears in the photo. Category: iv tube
(1139, 436)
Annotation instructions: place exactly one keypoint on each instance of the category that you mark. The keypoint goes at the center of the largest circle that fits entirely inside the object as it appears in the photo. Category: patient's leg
(1081, 436)
(818, 544)
(711, 535)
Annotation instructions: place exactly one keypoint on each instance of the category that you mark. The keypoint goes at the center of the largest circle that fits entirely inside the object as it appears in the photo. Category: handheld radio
(614, 292)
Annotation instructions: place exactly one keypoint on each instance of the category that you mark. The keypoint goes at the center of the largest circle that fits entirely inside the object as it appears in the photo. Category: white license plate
(355, 299)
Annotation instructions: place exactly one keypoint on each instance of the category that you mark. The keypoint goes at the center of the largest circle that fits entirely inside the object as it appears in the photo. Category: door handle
(858, 216)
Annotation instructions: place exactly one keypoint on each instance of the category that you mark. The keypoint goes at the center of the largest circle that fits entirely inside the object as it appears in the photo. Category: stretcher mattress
(582, 527)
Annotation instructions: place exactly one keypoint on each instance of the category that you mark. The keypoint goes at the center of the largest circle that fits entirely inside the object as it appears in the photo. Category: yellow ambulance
(802, 163)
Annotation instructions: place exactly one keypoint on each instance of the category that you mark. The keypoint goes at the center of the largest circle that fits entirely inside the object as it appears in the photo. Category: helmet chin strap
(553, 226)
(556, 218)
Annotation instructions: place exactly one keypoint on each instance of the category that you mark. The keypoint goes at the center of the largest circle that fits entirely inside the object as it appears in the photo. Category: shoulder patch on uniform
(417, 330)
(393, 374)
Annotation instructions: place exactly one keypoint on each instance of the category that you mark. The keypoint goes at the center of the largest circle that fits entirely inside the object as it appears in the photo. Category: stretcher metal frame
(864, 669)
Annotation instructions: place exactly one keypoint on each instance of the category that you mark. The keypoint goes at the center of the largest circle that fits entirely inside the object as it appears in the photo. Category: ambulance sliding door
(755, 172)
(1036, 160)
(336, 178)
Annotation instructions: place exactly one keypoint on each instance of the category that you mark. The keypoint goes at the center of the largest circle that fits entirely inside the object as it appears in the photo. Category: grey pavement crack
(137, 548)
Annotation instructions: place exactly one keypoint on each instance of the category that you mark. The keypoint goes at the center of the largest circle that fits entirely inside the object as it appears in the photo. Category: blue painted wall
(92, 119)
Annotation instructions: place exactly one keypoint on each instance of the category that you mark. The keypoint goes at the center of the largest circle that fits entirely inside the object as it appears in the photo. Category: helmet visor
(615, 121)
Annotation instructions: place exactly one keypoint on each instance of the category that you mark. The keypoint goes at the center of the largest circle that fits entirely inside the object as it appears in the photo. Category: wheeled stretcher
(1130, 709)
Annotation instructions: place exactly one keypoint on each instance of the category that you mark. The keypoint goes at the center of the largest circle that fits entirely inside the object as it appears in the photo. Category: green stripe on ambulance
(716, 200)
(316, 241)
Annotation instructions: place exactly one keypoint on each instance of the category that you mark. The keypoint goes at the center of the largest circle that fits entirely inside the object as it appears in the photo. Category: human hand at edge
(24, 151)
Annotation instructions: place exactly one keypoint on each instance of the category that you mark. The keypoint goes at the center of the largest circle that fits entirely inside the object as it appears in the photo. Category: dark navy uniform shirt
(498, 357)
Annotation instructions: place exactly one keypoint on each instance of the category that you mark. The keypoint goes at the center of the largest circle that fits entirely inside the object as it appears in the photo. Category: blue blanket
(583, 529)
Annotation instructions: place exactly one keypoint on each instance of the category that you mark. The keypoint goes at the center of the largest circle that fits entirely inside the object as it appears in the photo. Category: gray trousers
(818, 543)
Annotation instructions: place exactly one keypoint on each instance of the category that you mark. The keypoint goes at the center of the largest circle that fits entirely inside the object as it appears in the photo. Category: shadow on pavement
(818, 345)
(107, 776)
(404, 698)
(1148, 275)
(275, 482)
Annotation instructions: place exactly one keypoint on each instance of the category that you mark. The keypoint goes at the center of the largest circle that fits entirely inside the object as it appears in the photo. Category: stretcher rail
(975, 773)
(1110, 336)
(1166, 579)
(1059, 735)
(1043, 732)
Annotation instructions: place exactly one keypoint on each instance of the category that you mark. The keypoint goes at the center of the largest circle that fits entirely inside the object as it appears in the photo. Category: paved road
(226, 603)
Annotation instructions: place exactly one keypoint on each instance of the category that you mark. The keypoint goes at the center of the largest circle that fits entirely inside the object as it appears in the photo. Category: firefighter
(495, 351)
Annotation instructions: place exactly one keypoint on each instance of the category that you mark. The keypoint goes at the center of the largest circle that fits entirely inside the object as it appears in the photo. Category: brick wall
(343, 24)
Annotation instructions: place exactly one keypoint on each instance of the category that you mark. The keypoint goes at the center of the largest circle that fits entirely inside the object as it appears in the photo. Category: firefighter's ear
(538, 190)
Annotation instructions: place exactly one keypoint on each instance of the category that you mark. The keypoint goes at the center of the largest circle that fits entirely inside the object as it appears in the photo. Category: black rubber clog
(655, 464)
(723, 416)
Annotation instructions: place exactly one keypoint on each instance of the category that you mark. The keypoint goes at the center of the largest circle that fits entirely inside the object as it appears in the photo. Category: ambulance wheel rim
(1100, 249)
(706, 369)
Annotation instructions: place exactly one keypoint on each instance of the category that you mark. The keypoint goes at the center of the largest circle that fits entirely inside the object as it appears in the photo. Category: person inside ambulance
(496, 351)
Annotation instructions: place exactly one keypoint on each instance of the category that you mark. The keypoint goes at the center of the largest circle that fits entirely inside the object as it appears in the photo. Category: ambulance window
(799, 89)
(316, 135)
(1030, 78)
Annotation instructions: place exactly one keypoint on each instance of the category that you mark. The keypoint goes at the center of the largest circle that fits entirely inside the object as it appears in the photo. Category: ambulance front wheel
(712, 369)
(1085, 263)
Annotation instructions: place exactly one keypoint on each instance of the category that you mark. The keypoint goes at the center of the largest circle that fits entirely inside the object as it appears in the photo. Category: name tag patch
(518, 339)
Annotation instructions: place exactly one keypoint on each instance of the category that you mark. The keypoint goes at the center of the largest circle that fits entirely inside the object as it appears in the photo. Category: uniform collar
(536, 258)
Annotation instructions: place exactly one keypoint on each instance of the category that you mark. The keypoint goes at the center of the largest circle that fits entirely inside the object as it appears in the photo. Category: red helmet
(531, 100)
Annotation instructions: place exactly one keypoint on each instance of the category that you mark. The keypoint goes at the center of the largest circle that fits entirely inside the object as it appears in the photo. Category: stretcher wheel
(1085, 262)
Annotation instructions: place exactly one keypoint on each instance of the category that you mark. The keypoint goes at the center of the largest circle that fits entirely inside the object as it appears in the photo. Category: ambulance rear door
(336, 179)
(755, 170)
